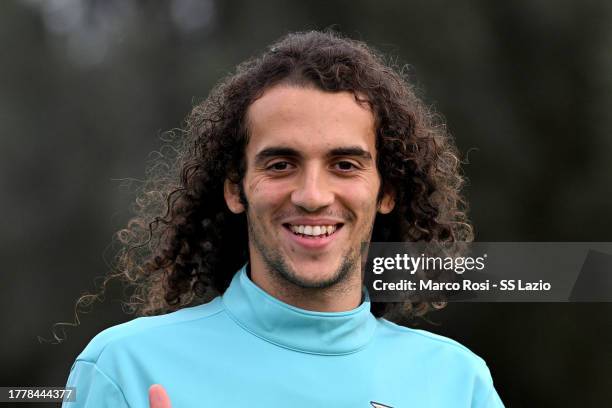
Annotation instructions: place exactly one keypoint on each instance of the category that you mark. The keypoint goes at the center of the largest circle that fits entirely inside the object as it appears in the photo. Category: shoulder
(123, 360)
(147, 330)
(442, 361)
(432, 348)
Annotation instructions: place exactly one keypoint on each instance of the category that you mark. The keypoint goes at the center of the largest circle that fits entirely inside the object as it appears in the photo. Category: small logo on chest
(379, 405)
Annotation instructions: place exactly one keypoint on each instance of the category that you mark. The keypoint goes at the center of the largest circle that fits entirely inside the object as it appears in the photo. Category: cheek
(362, 193)
(263, 193)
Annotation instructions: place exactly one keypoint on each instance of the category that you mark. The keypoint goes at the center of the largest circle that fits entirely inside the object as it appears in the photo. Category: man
(288, 166)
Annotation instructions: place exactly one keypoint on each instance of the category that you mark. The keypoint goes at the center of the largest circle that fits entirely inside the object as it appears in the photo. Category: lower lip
(312, 243)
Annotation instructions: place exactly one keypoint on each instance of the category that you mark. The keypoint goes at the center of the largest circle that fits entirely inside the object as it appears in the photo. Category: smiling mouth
(313, 231)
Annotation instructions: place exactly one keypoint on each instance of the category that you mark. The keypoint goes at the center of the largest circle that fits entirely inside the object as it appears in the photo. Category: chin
(317, 277)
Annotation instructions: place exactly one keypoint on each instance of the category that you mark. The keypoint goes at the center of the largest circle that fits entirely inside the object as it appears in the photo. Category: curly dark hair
(184, 245)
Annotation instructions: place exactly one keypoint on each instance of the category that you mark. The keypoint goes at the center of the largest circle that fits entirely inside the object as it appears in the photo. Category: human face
(310, 169)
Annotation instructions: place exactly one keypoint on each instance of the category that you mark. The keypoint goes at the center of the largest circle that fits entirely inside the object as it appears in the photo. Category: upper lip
(312, 221)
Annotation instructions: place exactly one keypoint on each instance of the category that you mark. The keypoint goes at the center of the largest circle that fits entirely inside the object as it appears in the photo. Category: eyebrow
(277, 151)
(354, 151)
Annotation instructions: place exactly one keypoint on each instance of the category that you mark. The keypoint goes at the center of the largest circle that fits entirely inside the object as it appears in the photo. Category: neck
(343, 296)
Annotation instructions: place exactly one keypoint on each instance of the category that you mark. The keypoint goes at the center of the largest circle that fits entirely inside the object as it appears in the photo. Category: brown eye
(279, 166)
(345, 166)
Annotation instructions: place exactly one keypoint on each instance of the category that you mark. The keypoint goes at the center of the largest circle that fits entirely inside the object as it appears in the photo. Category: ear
(387, 201)
(231, 193)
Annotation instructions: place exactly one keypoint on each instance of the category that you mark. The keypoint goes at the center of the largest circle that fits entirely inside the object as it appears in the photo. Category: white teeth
(315, 230)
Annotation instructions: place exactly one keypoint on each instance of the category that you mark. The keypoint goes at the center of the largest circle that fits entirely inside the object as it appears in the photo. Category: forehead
(309, 120)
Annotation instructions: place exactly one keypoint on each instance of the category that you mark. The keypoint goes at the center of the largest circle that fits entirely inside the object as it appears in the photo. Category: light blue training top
(249, 349)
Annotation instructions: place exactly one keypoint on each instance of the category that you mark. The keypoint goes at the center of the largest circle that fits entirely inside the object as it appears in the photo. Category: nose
(312, 192)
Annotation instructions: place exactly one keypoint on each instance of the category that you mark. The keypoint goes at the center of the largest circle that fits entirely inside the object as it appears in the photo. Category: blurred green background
(87, 87)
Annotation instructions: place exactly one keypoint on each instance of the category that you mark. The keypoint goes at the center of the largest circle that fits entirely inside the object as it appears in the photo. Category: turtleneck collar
(288, 326)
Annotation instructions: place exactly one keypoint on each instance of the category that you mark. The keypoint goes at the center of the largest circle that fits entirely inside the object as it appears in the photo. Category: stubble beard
(287, 276)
